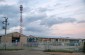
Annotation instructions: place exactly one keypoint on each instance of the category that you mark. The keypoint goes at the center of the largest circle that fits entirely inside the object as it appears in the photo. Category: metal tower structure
(21, 20)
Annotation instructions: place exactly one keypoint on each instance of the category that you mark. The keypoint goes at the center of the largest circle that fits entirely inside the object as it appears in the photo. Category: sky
(45, 18)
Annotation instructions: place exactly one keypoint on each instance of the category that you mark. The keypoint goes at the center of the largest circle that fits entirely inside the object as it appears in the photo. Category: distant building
(32, 41)
(31, 38)
(73, 44)
(64, 41)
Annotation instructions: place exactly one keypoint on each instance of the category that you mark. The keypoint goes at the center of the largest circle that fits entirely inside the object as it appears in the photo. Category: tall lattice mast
(21, 20)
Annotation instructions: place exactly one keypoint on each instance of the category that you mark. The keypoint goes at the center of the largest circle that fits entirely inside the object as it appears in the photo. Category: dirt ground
(59, 53)
(22, 52)
(32, 52)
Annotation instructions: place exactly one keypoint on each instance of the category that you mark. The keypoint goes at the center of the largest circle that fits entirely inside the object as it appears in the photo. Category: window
(15, 39)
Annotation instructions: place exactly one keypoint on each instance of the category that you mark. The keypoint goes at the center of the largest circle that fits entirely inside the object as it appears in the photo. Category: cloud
(2, 0)
(10, 11)
(36, 27)
(57, 20)
(10, 2)
(34, 15)
(41, 9)
(13, 29)
(69, 29)
(83, 1)
(82, 21)
(35, 18)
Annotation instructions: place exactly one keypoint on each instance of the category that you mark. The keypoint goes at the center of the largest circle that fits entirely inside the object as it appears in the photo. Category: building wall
(6, 39)
(23, 40)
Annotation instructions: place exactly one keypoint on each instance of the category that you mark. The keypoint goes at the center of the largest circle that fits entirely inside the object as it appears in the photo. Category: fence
(59, 46)
(40, 46)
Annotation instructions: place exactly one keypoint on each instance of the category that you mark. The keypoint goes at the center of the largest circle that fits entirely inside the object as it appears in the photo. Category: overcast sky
(52, 18)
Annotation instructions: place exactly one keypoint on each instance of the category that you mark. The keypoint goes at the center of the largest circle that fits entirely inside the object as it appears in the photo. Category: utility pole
(5, 27)
(5, 24)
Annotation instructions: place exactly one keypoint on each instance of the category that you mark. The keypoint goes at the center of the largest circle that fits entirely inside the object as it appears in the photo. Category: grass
(66, 51)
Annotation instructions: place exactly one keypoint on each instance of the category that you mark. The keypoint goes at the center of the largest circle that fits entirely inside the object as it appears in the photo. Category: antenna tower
(21, 20)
